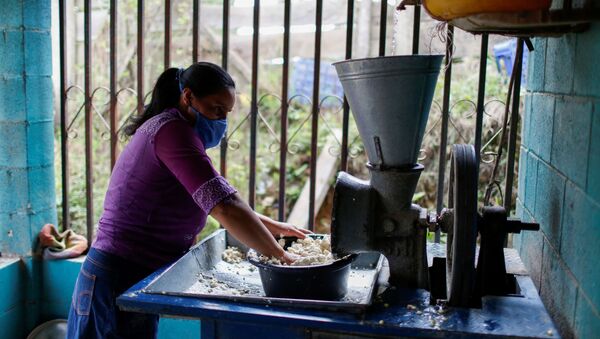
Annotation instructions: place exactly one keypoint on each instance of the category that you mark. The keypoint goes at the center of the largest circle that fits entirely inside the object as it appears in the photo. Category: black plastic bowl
(317, 282)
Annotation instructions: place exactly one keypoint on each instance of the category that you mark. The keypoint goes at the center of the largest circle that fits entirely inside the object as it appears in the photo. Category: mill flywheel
(462, 235)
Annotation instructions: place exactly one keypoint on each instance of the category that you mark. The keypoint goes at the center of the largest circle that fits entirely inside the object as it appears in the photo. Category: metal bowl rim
(341, 262)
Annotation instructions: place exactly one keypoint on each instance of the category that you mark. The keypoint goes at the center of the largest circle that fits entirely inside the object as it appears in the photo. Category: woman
(161, 191)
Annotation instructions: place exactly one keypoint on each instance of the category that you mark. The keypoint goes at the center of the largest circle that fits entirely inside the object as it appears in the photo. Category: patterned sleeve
(212, 192)
(182, 152)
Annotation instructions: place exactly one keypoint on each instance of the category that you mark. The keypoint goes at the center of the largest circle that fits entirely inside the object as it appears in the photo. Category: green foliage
(211, 226)
(461, 129)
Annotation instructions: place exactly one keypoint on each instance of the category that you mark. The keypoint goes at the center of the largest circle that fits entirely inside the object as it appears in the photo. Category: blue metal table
(395, 313)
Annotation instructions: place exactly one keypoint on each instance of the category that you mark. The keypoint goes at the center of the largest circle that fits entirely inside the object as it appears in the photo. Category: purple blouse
(162, 188)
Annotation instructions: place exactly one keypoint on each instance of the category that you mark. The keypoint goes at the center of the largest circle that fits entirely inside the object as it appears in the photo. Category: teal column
(27, 192)
(560, 179)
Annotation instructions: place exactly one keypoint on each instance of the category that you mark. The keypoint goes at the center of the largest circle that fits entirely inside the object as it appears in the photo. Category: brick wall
(27, 193)
(559, 179)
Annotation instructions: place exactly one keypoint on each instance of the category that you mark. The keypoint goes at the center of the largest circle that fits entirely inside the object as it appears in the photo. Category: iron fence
(89, 106)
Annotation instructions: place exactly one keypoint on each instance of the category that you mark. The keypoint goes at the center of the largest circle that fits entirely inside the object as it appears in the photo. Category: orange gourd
(446, 10)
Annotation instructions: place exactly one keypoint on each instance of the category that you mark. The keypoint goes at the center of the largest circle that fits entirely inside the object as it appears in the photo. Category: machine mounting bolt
(389, 225)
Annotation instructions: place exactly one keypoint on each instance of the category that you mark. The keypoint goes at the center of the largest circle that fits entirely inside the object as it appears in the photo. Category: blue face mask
(210, 131)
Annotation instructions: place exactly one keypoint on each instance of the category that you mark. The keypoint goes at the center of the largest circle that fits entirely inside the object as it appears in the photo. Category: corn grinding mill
(398, 285)
(390, 98)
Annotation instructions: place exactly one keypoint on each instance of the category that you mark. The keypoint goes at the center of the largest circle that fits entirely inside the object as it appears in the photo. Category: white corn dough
(311, 252)
(233, 255)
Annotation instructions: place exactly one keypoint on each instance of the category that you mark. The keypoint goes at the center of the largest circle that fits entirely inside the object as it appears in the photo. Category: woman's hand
(278, 228)
(289, 258)
(287, 230)
(242, 223)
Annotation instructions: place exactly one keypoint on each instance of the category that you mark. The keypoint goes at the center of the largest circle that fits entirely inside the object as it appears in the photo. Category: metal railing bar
(445, 118)
(195, 30)
(113, 83)
(63, 117)
(167, 44)
(95, 110)
(382, 27)
(261, 117)
(79, 110)
(225, 65)
(303, 122)
(346, 112)
(238, 126)
(492, 139)
(140, 57)
(315, 115)
(481, 95)
(284, 108)
(416, 29)
(493, 182)
(88, 121)
(254, 105)
(514, 126)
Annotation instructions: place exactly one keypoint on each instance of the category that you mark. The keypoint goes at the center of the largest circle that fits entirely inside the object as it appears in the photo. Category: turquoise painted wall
(20, 296)
(58, 277)
(27, 198)
(29, 298)
(12, 298)
(58, 282)
(559, 176)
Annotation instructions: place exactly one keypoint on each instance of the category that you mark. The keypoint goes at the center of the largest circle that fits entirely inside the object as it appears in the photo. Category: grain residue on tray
(211, 285)
(310, 250)
(232, 255)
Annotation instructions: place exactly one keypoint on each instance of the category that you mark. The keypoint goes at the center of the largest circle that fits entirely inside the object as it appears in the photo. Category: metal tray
(202, 274)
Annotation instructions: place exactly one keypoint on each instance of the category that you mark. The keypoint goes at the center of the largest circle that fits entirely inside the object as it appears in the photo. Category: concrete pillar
(27, 191)
(559, 179)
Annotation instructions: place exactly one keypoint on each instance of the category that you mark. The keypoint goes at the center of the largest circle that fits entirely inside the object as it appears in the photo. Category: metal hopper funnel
(390, 98)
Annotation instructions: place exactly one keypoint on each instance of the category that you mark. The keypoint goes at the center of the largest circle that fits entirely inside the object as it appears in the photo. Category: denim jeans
(94, 313)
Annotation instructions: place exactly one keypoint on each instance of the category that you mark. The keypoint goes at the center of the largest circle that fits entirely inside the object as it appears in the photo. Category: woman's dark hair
(203, 78)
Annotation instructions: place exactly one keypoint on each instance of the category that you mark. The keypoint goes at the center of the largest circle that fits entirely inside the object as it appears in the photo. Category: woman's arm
(278, 228)
(183, 154)
(245, 225)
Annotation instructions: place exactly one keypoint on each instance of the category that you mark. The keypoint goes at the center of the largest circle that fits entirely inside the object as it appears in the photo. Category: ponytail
(202, 78)
(164, 95)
